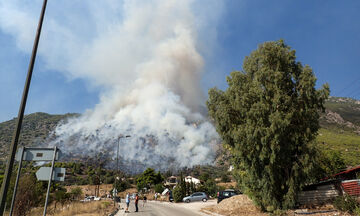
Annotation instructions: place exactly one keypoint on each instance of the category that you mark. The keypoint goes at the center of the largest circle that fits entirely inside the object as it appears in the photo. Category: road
(153, 208)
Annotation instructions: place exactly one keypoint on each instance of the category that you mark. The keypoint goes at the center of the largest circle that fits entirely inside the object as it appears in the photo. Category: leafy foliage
(148, 178)
(159, 188)
(28, 195)
(346, 203)
(267, 117)
(179, 191)
(326, 164)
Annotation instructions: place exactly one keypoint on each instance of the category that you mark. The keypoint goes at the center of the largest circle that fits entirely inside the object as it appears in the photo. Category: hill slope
(340, 129)
(35, 129)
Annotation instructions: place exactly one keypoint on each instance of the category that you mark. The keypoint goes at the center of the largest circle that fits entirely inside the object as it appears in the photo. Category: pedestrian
(145, 198)
(136, 203)
(156, 196)
(127, 200)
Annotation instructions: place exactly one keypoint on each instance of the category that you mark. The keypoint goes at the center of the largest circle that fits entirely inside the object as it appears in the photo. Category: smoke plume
(145, 57)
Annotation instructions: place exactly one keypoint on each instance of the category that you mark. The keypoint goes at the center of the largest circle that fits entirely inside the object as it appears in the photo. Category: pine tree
(268, 117)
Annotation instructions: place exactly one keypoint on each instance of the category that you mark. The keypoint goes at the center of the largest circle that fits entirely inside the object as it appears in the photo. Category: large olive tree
(267, 117)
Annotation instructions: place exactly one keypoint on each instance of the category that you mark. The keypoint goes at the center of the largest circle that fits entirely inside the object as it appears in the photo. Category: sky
(324, 33)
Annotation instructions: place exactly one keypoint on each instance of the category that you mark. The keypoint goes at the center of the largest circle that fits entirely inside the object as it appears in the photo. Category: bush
(225, 178)
(209, 187)
(122, 185)
(76, 193)
(178, 194)
(346, 203)
(159, 188)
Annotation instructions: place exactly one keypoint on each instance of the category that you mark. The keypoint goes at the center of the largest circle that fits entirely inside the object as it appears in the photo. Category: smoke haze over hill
(145, 56)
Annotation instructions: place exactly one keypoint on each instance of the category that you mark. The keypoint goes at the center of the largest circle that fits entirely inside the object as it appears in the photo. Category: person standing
(136, 203)
(145, 198)
(127, 200)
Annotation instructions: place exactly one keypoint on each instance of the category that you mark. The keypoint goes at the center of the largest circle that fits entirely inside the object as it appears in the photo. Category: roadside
(159, 208)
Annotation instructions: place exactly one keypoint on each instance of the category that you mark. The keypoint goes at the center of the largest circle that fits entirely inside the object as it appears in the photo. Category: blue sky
(325, 35)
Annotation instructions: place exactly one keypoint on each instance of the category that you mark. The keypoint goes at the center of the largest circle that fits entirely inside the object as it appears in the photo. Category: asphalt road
(153, 208)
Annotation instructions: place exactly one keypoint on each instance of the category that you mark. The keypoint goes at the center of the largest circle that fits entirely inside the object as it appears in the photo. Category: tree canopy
(268, 116)
(148, 178)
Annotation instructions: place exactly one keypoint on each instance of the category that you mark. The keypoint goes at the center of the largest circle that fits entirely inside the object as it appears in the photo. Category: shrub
(346, 203)
(159, 188)
(178, 194)
(76, 193)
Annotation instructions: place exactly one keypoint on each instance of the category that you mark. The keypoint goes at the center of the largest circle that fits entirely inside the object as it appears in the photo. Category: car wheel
(187, 201)
(204, 200)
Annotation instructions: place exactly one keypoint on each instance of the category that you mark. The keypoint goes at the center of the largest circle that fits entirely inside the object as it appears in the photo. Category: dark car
(171, 198)
(226, 194)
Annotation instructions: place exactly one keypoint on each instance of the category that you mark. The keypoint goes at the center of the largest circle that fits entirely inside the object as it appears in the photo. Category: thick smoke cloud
(145, 56)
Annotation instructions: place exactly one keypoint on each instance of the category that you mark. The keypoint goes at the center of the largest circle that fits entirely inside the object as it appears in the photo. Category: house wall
(351, 187)
(323, 194)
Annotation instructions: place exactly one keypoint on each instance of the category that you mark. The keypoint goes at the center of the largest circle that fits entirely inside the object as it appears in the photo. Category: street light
(117, 154)
(117, 165)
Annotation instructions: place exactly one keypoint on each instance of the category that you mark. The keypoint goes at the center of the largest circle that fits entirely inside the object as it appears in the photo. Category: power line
(347, 87)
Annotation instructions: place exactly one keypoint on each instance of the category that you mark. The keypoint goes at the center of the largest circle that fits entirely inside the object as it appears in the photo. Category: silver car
(198, 196)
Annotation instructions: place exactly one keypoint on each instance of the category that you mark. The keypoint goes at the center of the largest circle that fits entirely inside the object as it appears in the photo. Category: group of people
(127, 200)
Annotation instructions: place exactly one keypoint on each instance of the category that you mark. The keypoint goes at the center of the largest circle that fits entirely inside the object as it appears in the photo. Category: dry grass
(94, 208)
(227, 184)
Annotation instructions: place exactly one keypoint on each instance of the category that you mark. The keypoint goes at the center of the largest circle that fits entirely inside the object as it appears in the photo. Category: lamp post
(117, 164)
(117, 154)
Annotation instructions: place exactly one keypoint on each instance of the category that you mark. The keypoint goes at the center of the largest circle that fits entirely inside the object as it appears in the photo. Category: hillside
(35, 129)
(340, 129)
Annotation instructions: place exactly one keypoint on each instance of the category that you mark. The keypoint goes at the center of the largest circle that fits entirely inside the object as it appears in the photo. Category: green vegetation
(184, 189)
(348, 108)
(347, 203)
(148, 179)
(35, 130)
(345, 142)
(268, 117)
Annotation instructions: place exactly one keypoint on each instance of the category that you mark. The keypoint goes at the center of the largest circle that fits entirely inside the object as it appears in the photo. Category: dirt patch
(242, 205)
(227, 184)
(236, 205)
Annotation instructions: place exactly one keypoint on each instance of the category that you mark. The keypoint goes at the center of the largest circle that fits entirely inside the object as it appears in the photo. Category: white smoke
(144, 54)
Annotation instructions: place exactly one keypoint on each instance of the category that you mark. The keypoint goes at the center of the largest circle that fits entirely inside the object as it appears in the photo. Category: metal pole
(4, 208)
(22, 150)
(117, 169)
(14, 142)
(50, 179)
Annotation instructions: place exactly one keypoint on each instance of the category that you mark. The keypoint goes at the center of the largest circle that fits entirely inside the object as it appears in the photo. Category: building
(171, 181)
(189, 179)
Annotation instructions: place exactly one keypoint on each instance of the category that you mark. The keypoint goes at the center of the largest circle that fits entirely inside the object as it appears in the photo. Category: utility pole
(14, 142)
(117, 164)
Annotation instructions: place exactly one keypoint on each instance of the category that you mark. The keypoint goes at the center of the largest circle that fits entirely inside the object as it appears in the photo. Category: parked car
(198, 196)
(226, 194)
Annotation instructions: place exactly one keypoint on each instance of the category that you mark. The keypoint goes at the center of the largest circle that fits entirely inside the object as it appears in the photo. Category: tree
(148, 178)
(268, 117)
(159, 188)
(26, 196)
(179, 191)
(76, 193)
(327, 163)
